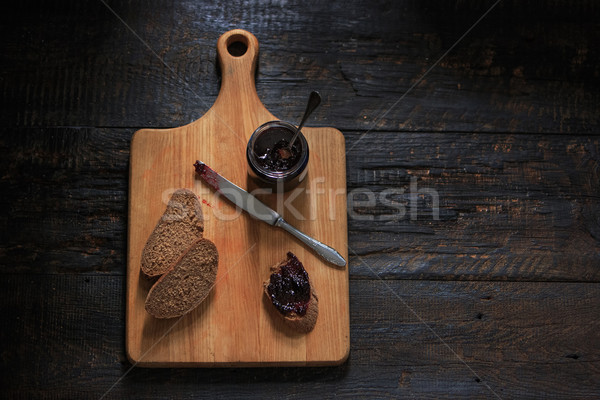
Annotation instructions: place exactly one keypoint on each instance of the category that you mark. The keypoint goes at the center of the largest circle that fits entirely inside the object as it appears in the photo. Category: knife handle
(321, 249)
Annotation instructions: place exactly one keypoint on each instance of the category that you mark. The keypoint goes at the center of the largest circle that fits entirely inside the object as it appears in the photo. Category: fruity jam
(289, 289)
(280, 156)
(272, 163)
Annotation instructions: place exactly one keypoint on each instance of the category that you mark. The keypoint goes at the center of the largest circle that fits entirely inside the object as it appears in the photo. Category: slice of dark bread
(292, 294)
(187, 283)
(180, 225)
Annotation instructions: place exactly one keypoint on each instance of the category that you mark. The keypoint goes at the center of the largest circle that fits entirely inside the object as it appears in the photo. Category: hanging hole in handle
(237, 45)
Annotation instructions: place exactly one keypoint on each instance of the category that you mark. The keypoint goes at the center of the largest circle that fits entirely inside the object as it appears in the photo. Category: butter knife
(259, 210)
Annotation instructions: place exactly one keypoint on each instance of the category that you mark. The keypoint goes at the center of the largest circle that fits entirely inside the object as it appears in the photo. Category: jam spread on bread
(289, 288)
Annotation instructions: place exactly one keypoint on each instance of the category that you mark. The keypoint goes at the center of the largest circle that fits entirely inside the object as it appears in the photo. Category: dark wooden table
(475, 264)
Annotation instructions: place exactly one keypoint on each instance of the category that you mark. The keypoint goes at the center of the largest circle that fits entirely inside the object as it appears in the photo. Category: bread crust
(186, 284)
(181, 224)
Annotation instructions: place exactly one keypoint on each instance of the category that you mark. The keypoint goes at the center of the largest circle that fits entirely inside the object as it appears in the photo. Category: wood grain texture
(518, 200)
(525, 68)
(509, 217)
(64, 202)
(511, 207)
(233, 326)
(511, 334)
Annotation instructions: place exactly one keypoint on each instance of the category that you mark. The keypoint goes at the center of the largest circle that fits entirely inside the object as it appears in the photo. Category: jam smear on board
(206, 202)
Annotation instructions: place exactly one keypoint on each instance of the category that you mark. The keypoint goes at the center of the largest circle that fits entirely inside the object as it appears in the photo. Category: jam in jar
(272, 162)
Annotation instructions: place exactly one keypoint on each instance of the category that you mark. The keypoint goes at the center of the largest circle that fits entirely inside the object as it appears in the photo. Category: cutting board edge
(239, 364)
(238, 108)
(147, 134)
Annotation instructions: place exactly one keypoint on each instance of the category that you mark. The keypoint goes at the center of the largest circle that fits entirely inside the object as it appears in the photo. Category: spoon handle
(313, 102)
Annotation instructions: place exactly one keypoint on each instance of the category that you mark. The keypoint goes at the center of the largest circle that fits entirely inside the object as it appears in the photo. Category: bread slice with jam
(291, 293)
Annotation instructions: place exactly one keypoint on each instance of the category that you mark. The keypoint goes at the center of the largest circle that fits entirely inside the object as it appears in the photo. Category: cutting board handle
(237, 52)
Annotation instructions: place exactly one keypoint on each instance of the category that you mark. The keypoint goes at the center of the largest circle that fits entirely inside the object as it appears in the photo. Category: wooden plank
(63, 208)
(63, 337)
(64, 203)
(75, 65)
(511, 206)
(232, 326)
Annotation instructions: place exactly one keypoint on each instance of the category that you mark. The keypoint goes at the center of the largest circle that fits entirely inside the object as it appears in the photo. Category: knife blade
(261, 211)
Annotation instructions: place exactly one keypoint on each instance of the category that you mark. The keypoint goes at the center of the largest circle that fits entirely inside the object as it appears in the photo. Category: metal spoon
(313, 102)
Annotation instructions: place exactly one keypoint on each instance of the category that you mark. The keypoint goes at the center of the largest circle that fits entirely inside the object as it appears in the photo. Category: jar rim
(277, 175)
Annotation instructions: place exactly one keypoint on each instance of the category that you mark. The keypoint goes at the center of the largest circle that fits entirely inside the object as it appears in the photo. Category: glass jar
(271, 163)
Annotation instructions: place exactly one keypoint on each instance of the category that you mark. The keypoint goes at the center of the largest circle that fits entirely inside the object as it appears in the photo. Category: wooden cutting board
(234, 326)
